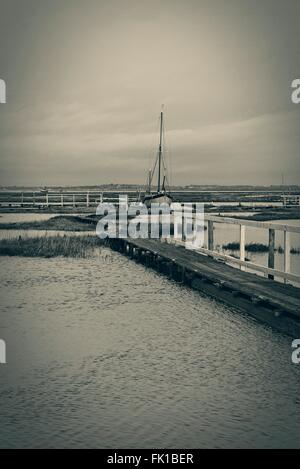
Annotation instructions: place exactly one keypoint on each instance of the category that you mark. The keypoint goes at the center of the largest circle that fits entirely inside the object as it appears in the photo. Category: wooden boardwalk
(272, 302)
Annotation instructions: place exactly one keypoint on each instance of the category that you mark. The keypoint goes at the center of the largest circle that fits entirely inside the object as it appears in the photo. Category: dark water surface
(104, 353)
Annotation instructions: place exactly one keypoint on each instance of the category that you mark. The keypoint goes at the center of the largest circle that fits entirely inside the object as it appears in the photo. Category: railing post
(73, 200)
(242, 245)
(287, 257)
(62, 199)
(210, 235)
(271, 256)
(47, 199)
(87, 199)
(22, 199)
(33, 198)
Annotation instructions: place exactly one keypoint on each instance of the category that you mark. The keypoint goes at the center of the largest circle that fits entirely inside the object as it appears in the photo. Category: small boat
(161, 195)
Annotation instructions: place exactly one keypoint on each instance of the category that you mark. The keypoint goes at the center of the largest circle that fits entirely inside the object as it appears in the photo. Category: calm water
(104, 353)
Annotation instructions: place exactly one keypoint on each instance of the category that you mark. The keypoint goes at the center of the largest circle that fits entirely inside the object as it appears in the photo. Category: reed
(256, 247)
(50, 246)
(251, 247)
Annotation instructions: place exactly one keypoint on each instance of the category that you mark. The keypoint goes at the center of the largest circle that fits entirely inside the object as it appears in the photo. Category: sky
(86, 79)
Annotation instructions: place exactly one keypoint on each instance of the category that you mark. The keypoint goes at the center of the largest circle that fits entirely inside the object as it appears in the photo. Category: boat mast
(149, 180)
(160, 148)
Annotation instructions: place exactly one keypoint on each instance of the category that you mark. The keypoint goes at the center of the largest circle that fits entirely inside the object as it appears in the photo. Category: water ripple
(105, 353)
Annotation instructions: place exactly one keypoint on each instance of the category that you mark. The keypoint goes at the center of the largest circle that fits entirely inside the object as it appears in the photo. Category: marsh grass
(59, 223)
(251, 247)
(50, 246)
(257, 247)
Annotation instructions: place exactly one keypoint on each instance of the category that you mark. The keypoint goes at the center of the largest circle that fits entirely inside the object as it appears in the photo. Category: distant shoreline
(184, 188)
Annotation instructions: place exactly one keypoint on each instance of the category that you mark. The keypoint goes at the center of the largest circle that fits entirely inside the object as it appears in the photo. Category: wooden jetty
(274, 303)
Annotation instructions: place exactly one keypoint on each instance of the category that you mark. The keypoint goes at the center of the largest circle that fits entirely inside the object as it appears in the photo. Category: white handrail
(255, 224)
(269, 270)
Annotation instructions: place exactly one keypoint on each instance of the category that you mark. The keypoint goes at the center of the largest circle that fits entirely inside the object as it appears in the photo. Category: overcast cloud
(86, 78)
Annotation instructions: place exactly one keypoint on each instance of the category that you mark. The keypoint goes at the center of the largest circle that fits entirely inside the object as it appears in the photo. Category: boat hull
(157, 199)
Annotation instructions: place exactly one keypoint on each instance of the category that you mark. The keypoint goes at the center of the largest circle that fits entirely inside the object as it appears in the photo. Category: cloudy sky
(86, 79)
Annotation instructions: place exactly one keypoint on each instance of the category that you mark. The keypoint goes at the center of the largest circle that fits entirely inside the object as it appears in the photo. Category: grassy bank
(50, 246)
(59, 223)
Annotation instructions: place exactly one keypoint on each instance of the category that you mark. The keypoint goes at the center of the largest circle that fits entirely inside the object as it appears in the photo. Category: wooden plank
(210, 235)
(251, 265)
(242, 245)
(282, 297)
(271, 254)
(287, 253)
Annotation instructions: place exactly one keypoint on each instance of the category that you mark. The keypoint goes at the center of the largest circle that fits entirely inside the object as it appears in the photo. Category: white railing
(269, 271)
(58, 198)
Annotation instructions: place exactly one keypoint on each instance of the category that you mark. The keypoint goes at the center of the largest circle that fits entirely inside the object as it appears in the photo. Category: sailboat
(161, 195)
